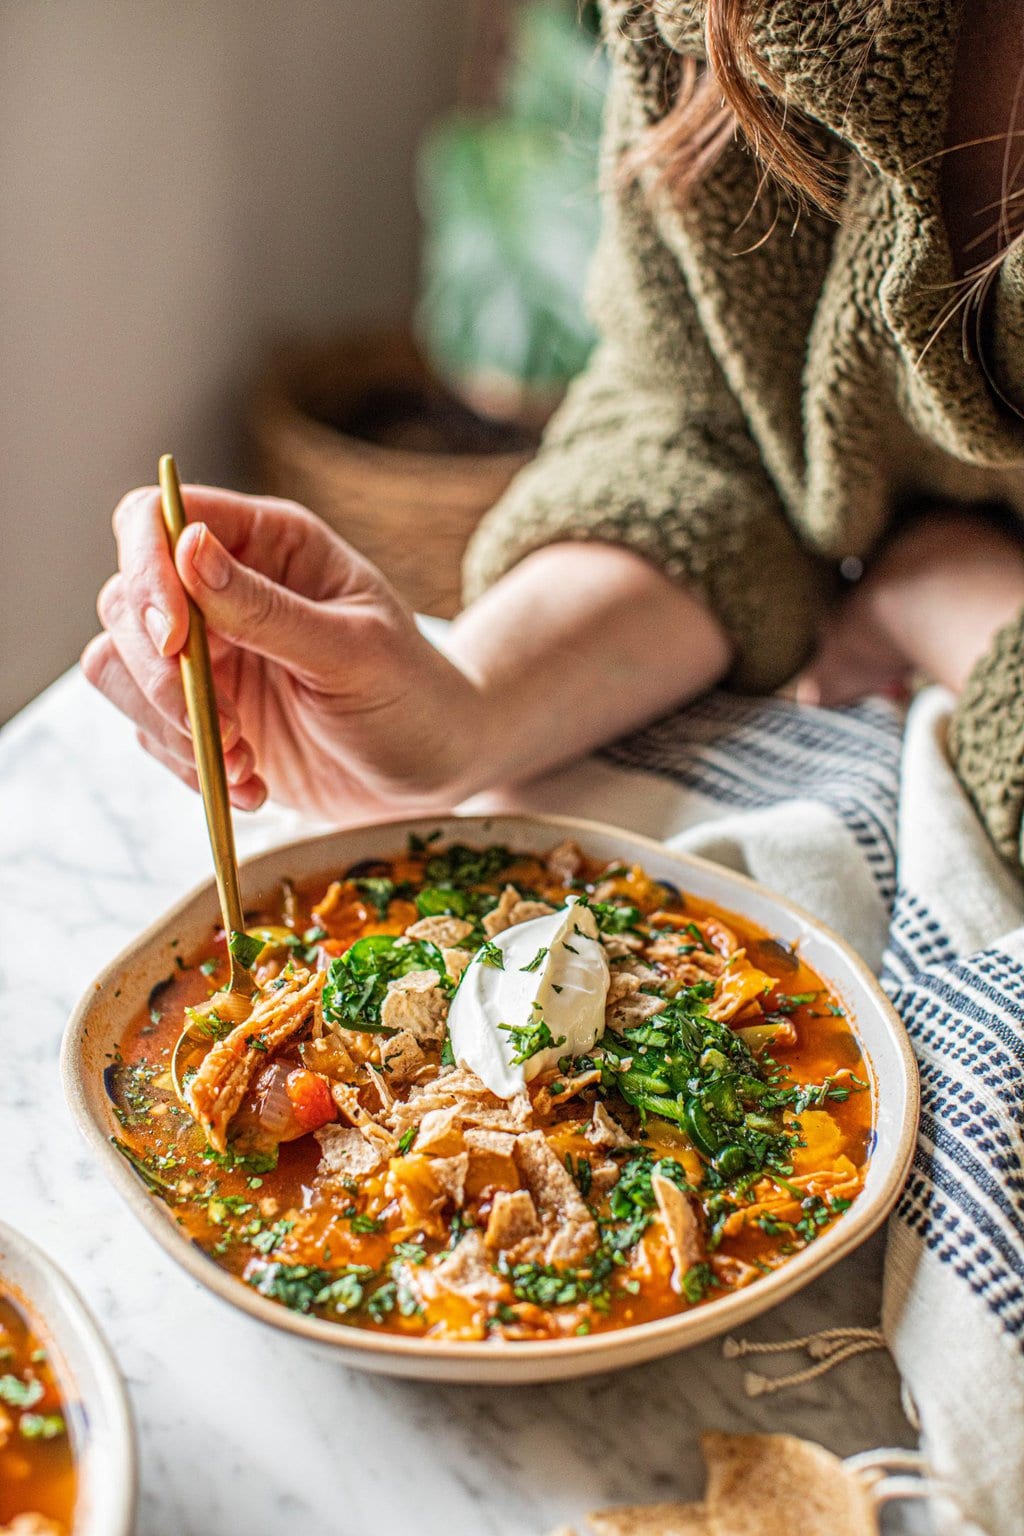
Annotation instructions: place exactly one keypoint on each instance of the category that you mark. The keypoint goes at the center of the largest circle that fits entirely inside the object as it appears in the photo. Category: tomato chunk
(310, 1098)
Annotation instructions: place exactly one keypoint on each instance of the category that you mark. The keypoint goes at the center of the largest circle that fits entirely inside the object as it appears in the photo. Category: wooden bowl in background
(359, 430)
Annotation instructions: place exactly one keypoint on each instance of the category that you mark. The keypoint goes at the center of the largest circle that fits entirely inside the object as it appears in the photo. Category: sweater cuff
(986, 739)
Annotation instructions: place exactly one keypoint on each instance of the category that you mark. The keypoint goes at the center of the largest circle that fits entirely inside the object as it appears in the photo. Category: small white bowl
(120, 991)
(103, 1437)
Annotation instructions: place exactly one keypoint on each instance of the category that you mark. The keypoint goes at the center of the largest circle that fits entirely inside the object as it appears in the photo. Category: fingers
(278, 538)
(247, 791)
(157, 609)
(105, 669)
(133, 675)
(245, 606)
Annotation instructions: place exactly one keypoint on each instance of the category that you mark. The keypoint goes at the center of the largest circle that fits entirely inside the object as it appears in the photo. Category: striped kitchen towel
(856, 814)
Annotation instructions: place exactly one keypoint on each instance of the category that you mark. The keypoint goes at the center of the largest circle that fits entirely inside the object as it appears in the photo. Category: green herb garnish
(530, 1039)
(357, 981)
(245, 949)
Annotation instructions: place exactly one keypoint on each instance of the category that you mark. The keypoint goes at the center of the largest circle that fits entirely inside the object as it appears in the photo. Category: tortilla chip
(651, 1520)
(759, 1485)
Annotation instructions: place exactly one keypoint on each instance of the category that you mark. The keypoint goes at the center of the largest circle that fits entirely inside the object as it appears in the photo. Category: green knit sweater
(765, 401)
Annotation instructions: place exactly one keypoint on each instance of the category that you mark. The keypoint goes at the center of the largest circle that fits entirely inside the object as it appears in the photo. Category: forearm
(577, 644)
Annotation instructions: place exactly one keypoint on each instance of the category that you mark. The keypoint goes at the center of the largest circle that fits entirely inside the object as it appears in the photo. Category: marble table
(239, 1430)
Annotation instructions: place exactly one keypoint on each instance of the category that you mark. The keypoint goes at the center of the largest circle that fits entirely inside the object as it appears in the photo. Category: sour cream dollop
(553, 970)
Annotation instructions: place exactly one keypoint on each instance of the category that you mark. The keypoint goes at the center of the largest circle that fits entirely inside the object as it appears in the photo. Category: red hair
(733, 95)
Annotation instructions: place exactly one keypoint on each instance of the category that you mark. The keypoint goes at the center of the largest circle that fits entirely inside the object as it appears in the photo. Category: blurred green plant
(510, 213)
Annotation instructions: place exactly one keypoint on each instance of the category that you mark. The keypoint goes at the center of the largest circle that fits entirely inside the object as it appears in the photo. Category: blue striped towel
(856, 814)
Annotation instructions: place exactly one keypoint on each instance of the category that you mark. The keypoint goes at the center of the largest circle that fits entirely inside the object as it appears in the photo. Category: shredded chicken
(569, 1228)
(220, 1085)
(416, 1003)
(620, 946)
(733, 1272)
(685, 1240)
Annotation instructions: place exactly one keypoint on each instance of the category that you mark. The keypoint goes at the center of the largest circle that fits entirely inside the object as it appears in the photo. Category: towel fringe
(826, 1349)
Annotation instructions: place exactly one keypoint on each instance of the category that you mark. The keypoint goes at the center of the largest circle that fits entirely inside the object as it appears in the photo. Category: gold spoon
(233, 1003)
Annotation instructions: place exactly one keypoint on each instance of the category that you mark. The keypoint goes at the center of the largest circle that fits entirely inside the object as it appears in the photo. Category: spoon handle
(201, 703)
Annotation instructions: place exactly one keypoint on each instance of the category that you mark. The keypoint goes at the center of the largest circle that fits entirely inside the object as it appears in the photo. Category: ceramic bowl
(122, 988)
(101, 1425)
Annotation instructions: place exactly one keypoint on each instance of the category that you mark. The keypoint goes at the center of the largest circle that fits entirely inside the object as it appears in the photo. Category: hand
(330, 698)
(856, 656)
(930, 605)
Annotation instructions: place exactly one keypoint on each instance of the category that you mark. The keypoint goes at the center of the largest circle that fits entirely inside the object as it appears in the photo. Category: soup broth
(37, 1471)
(332, 1153)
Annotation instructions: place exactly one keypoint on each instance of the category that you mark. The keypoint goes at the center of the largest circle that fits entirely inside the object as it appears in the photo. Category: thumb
(246, 607)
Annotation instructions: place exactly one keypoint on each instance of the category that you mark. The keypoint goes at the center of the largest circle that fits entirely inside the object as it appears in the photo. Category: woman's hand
(929, 606)
(330, 698)
(333, 702)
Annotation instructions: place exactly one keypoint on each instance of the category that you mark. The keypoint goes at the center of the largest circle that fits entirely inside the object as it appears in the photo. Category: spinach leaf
(357, 981)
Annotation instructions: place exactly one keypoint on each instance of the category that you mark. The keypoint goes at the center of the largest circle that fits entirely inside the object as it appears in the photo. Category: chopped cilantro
(789, 1002)
(410, 1253)
(41, 1426)
(530, 1039)
(20, 1394)
(462, 866)
(697, 1281)
(245, 949)
(377, 891)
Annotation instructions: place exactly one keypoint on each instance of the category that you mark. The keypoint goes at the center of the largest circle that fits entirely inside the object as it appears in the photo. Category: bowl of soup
(67, 1449)
(515, 1098)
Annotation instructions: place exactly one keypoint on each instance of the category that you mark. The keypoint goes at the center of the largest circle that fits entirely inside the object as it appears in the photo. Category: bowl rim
(663, 1335)
(105, 1403)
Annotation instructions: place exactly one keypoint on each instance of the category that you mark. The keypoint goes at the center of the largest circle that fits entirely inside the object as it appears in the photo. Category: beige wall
(178, 179)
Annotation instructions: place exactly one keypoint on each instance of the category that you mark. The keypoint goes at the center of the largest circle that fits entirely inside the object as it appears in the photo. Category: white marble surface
(241, 1431)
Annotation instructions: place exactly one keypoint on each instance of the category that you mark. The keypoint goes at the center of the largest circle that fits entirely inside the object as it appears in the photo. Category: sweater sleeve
(986, 740)
(650, 450)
